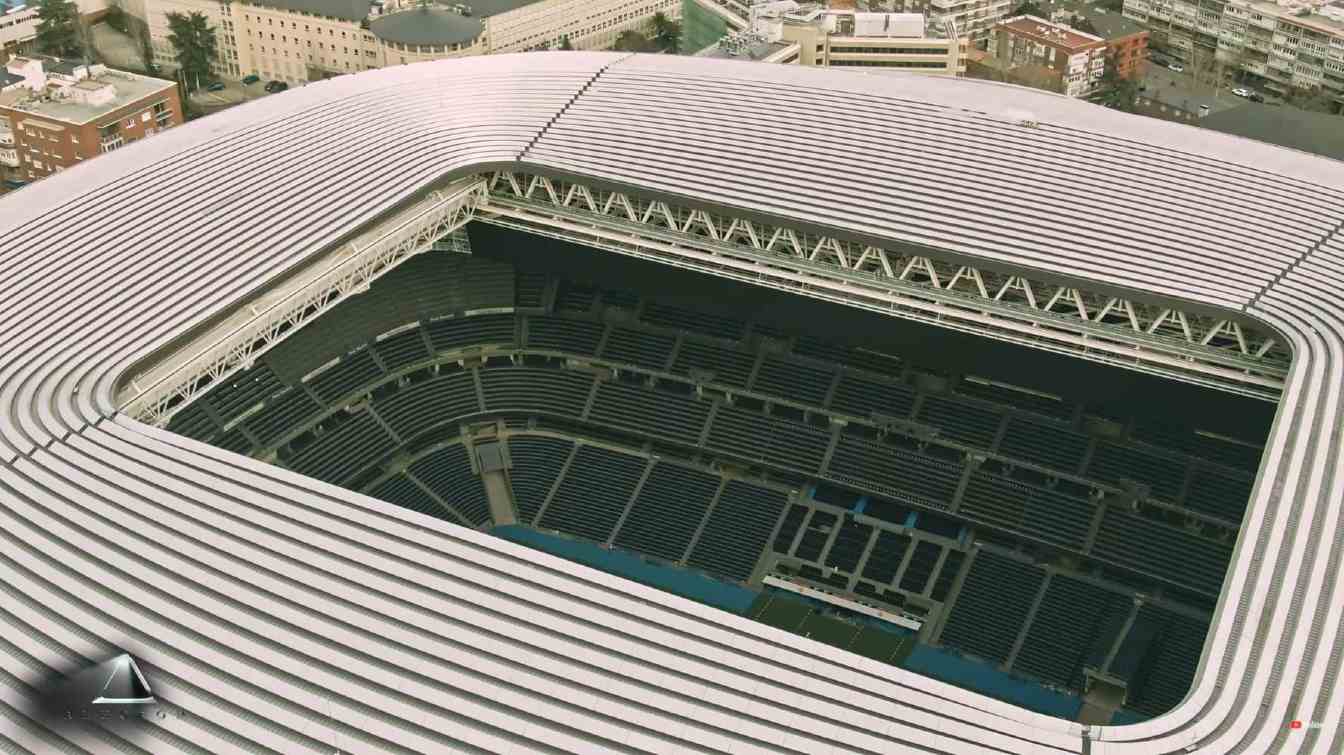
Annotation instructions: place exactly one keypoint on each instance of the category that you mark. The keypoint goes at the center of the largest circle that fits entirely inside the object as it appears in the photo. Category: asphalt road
(1184, 91)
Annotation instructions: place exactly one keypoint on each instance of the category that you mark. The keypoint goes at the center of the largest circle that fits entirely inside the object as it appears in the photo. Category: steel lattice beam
(260, 324)
(1217, 352)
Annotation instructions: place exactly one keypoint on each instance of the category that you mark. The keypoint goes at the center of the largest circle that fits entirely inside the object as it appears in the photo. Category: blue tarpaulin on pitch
(984, 678)
(687, 584)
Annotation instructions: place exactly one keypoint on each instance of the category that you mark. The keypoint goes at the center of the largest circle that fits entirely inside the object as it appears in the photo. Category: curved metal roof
(426, 26)
(279, 611)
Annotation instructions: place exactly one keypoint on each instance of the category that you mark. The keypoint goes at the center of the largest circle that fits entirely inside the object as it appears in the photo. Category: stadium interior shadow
(1107, 390)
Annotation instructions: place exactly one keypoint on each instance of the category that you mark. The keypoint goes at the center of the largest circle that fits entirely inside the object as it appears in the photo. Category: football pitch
(801, 619)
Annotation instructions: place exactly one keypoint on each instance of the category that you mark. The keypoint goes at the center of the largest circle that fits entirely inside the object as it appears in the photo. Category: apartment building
(1070, 60)
(1285, 46)
(58, 113)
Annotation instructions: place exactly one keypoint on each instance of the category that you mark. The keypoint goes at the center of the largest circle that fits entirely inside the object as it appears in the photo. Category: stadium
(586, 402)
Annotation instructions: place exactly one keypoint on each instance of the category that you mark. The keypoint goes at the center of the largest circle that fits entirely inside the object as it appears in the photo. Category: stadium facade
(272, 610)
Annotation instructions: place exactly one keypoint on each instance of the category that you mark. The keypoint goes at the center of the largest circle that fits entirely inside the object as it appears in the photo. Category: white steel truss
(1224, 353)
(258, 325)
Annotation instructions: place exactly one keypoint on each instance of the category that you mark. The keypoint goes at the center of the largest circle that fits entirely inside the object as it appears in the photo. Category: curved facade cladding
(274, 611)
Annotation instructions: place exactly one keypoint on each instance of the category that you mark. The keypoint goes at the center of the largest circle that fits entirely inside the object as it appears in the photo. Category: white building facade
(303, 40)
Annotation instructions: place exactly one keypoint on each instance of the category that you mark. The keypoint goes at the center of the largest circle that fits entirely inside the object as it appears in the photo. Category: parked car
(1257, 97)
(217, 86)
(1177, 67)
(251, 79)
(1242, 92)
(276, 86)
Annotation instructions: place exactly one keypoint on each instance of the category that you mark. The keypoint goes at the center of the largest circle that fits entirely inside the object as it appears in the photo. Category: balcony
(9, 158)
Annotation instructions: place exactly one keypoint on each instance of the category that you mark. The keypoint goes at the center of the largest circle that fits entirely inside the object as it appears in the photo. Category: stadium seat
(737, 530)
(667, 511)
(447, 472)
(991, 606)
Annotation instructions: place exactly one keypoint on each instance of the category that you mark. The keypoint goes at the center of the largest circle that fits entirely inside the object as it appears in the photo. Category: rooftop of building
(1109, 24)
(749, 49)
(346, 10)
(1313, 20)
(128, 88)
(427, 26)
(1317, 133)
(855, 23)
(1044, 30)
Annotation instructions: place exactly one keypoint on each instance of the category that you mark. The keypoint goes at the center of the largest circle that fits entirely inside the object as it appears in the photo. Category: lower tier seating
(593, 493)
(737, 529)
(1163, 673)
(447, 472)
(1165, 552)
(887, 556)
(401, 490)
(992, 606)
(1068, 629)
(667, 511)
(536, 463)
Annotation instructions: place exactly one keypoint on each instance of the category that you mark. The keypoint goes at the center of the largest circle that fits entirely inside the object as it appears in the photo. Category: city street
(1183, 91)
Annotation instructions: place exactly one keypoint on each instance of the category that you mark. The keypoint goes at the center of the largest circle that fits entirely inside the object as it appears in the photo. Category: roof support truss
(259, 324)
(1221, 353)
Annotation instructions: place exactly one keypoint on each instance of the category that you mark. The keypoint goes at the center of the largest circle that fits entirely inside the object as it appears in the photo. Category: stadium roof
(278, 611)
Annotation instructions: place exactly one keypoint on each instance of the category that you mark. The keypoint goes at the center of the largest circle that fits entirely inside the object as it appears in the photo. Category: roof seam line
(523, 154)
(1336, 231)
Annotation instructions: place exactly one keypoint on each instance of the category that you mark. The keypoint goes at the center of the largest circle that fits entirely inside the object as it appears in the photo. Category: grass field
(799, 618)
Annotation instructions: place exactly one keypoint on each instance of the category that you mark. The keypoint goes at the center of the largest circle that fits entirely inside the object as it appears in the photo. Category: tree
(193, 38)
(564, 43)
(116, 17)
(632, 41)
(1082, 24)
(1114, 91)
(1311, 100)
(58, 30)
(1029, 8)
(666, 32)
(140, 33)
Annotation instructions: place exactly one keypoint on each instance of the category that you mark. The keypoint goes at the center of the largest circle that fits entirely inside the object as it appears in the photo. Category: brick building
(57, 113)
(1126, 39)
(1076, 59)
